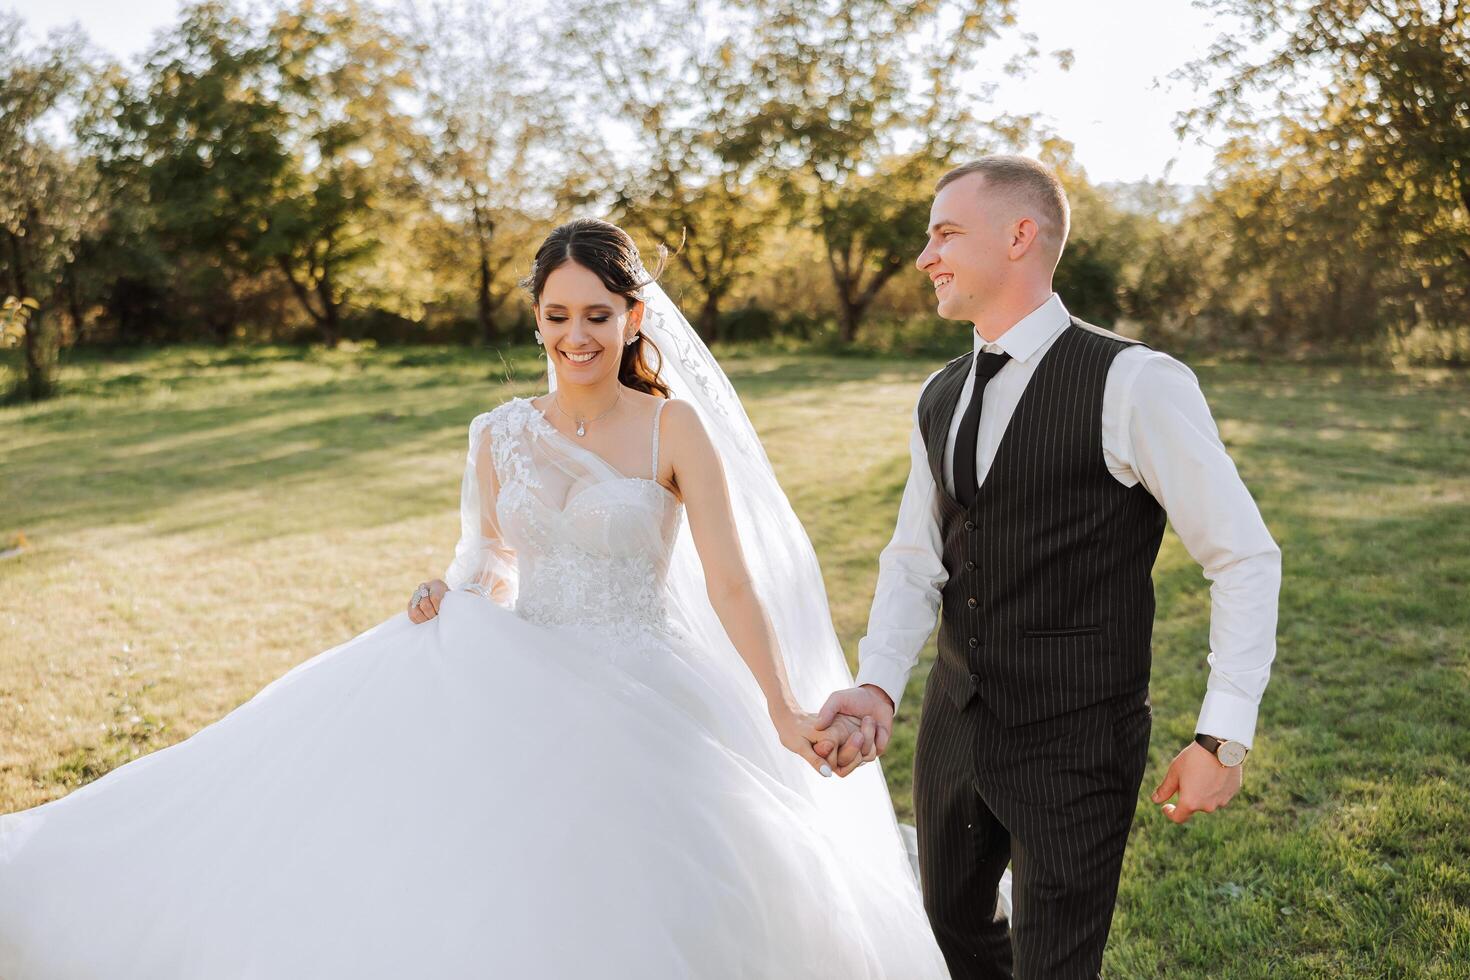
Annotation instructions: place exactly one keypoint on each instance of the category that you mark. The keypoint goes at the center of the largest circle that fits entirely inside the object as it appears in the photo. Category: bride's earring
(630, 340)
(538, 338)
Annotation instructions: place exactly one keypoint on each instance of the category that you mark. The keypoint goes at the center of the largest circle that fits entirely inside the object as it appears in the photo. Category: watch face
(1231, 753)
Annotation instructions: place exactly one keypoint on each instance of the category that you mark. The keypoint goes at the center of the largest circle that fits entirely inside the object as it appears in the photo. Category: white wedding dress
(564, 777)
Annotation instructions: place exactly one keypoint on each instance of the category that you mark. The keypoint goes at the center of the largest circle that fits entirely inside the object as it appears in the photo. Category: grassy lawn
(199, 520)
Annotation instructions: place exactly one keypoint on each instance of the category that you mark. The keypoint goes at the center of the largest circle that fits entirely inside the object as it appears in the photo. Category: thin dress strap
(657, 414)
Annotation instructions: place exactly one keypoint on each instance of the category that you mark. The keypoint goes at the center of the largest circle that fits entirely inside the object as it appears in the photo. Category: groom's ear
(1023, 236)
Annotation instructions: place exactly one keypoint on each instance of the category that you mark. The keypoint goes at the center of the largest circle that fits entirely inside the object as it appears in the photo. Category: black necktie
(965, 485)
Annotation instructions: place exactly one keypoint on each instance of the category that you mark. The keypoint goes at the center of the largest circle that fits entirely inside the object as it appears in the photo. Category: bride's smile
(585, 327)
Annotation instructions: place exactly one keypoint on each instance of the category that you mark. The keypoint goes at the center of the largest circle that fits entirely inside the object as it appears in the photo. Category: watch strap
(1213, 744)
(1208, 741)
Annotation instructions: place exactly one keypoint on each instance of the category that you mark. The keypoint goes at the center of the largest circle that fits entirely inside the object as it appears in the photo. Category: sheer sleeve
(483, 562)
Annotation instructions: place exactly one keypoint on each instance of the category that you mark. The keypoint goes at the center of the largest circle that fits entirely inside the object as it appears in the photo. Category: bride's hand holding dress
(423, 605)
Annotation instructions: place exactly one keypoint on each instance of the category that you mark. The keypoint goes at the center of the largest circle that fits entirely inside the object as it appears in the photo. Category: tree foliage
(47, 191)
(340, 168)
(849, 107)
(487, 139)
(1343, 202)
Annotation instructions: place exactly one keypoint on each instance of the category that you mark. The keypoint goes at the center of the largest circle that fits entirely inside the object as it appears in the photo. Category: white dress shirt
(1156, 430)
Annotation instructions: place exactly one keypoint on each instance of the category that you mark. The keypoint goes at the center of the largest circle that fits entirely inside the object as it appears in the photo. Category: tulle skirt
(476, 796)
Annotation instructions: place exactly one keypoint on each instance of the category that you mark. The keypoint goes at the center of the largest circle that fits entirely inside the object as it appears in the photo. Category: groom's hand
(869, 703)
(1200, 780)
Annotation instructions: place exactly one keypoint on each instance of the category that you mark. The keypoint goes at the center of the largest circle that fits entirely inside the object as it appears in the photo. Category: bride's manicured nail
(826, 770)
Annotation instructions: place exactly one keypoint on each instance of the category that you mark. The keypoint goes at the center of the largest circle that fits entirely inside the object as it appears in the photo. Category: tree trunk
(74, 305)
(331, 322)
(850, 301)
(38, 383)
(709, 318)
(484, 310)
(300, 292)
(852, 317)
(1465, 201)
(222, 323)
(890, 267)
(853, 303)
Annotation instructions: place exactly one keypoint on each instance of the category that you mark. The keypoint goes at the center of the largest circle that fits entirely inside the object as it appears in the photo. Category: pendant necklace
(582, 420)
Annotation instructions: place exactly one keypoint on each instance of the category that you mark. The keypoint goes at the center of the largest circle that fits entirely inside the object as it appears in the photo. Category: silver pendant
(581, 427)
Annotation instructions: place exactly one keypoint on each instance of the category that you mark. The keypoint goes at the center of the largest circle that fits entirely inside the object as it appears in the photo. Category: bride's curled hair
(610, 252)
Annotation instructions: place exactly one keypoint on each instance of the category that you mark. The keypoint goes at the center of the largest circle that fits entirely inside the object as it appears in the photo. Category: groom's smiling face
(982, 246)
(969, 252)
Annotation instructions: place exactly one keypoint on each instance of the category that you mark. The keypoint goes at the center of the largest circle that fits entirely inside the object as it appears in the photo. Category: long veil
(786, 576)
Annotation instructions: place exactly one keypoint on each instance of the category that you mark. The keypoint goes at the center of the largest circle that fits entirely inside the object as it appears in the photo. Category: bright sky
(1116, 104)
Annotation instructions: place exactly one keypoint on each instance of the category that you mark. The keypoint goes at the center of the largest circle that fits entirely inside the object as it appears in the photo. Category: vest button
(969, 525)
(969, 566)
(974, 642)
(975, 680)
(972, 602)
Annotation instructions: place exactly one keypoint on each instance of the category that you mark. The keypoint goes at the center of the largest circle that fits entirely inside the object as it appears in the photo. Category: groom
(1044, 466)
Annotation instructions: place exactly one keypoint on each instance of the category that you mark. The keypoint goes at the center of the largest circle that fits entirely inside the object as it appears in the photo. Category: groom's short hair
(1028, 182)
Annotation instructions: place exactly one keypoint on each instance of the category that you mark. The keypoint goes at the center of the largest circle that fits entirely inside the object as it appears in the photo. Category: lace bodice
(591, 544)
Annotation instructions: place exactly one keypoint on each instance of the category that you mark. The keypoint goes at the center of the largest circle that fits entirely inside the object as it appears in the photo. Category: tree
(1114, 234)
(1349, 192)
(264, 147)
(668, 73)
(871, 227)
(829, 89)
(489, 141)
(714, 230)
(201, 140)
(340, 75)
(47, 195)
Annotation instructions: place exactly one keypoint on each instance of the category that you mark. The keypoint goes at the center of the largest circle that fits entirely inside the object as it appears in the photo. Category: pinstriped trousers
(1055, 799)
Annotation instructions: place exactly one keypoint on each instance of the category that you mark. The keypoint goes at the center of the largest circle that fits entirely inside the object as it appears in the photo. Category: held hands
(842, 746)
(1201, 782)
(428, 607)
(798, 730)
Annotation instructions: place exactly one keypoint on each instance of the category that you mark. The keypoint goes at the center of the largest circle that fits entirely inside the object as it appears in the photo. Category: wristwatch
(1228, 751)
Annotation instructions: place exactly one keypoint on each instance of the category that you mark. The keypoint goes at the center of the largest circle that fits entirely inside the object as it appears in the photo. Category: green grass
(199, 520)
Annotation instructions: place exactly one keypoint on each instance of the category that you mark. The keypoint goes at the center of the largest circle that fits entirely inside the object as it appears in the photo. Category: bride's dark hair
(610, 252)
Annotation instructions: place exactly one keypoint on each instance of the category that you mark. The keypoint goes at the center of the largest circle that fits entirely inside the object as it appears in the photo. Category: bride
(582, 753)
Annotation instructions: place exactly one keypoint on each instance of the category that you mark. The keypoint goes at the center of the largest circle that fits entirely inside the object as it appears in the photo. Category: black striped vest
(1049, 605)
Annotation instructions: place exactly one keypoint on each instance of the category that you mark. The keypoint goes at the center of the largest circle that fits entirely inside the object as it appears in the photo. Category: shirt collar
(1031, 333)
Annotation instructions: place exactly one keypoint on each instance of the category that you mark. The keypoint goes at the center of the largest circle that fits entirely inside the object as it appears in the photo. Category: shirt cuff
(885, 673)
(1227, 716)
